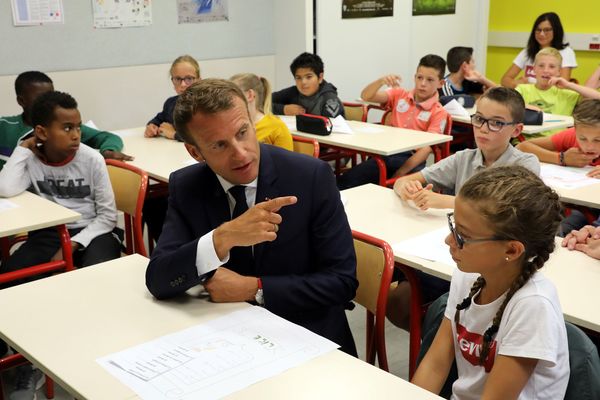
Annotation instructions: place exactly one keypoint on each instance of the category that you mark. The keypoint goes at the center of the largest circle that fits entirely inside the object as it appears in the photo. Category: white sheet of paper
(214, 359)
(6, 205)
(566, 177)
(454, 108)
(340, 125)
(429, 246)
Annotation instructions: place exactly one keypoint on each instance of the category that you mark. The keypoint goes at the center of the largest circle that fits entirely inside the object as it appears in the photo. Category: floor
(396, 340)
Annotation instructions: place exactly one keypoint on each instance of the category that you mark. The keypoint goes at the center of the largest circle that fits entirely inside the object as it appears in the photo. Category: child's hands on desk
(116, 155)
(167, 130)
(586, 240)
(426, 199)
(293, 109)
(407, 189)
(594, 173)
(151, 131)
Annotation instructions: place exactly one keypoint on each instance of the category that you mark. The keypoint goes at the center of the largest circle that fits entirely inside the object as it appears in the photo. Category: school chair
(377, 110)
(129, 185)
(307, 146)
(16, 360)
(355, 111)
(374, 270)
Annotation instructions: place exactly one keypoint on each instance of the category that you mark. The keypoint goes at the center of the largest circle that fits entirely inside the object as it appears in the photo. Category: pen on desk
(554, 120)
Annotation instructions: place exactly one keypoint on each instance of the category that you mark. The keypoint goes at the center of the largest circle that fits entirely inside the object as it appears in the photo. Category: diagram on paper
(122, 13)
(215, 359)
(195, 11)
(37, 12)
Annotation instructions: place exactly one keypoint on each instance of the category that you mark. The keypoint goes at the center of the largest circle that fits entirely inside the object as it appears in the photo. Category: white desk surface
(587, 196)
(377, 139)
(157, 156)
(98, 310)
(33, 212)
(379, 212)
(558, 122)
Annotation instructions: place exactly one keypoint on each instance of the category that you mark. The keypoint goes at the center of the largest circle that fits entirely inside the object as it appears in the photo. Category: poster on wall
(434, 7)
(37, 12)
(196, 11)
(121, 14)
(367, 8)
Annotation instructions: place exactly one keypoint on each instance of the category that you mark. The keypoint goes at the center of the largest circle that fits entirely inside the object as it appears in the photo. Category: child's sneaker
(29, 380)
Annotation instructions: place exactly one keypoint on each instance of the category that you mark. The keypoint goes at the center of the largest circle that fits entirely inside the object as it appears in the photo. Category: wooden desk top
(33, 212)
(98, 310)
(557, 122)
(379, 212)
(157, 156)
(379, 139)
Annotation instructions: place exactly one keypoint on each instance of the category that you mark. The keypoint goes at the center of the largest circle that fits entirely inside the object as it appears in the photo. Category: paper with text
(212, 360)
(455, 108)
(429, 246)
(560, 177)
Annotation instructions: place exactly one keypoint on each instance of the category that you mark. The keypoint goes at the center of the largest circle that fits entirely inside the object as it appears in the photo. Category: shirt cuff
(206, 256)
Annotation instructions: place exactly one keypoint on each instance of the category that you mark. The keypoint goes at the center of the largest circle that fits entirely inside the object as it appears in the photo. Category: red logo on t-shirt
(470, 346)
(529, 72)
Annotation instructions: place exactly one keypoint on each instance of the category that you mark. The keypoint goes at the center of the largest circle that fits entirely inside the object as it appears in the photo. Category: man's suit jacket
(308, 273)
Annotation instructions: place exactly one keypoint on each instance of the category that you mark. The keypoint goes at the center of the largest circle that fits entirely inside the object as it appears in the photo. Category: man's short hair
(208, 96)
(42, 111)
(509, 98)
(457, 56)
(587, 113)
(434, 61)
(26, 78)
(307, 60)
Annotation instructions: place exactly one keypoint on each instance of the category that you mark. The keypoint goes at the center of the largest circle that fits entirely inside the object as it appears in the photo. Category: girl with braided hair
(503, 323)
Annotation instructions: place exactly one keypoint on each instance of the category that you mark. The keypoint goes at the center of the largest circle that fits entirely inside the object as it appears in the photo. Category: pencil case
(314, 124)
(533, 117)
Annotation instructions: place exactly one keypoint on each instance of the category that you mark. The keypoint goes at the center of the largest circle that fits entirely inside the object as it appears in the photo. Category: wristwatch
(258, 297)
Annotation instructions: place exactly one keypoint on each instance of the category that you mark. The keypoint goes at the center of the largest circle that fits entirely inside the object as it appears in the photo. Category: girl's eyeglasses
(460, 241)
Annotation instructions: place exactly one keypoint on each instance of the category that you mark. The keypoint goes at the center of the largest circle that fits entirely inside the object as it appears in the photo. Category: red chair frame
(313, 142)
(375, 323)
(134, 233)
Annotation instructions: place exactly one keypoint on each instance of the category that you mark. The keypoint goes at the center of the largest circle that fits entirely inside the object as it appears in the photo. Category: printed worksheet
(121, 14)
(560, 177)
(37, 12)
(212, 360)
(429, 246)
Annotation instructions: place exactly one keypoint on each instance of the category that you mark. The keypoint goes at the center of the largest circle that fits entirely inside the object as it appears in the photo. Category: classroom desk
(379, 212)
(33, 212)
(587, 196)
(106, 308)
(557, 122)
(377, 140)
(157, 156)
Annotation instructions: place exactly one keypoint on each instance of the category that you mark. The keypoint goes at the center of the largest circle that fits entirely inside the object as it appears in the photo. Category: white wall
(127, 97)
(293, 22)
(358, 51)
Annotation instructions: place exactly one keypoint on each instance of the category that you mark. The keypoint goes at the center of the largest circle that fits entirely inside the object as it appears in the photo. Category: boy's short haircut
(42, 111)
(208, 96)
(26, 78)
(587, 113)
(549, 51)
(510, 98)
(307, 60)
(434, 61)
(457, 56)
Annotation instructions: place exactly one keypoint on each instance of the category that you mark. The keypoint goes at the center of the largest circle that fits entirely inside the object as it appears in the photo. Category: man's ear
(20, 101)
(194, 152)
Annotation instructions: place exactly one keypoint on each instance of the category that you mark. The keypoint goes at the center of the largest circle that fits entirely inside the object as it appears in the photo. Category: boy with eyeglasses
(499, 118)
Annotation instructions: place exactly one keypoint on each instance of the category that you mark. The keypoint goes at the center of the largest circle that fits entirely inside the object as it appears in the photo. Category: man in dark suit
(254, 222)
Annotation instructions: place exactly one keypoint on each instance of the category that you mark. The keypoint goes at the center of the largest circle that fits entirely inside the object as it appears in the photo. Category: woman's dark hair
(557, 31)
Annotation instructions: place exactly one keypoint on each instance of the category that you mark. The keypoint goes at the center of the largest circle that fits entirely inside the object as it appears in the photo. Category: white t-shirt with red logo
(532, 326)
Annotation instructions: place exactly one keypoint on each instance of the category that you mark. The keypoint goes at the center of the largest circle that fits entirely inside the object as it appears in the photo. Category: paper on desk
(340, 125)
(429, 246)
(454, 108)
(566, 177)
(212, 360)
(7, 205)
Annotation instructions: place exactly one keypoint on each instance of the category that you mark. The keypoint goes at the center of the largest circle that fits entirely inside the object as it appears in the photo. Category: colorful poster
(37, 12)
(367, 8)
(121, 14)
(434, 7)
(195, 11)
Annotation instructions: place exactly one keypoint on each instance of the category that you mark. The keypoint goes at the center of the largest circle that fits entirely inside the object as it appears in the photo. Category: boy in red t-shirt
(574, 147)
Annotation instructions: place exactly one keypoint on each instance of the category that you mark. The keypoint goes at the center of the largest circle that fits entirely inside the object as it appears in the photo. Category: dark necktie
(241, 259)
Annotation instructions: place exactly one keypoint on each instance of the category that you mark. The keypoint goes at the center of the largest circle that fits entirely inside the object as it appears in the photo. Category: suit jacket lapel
(267, 189)
(216, 200)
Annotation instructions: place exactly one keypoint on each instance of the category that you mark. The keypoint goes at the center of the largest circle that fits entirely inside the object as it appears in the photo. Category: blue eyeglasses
(494, 125)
